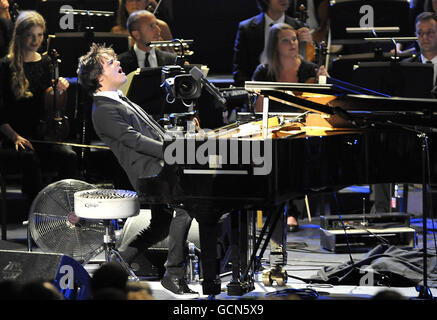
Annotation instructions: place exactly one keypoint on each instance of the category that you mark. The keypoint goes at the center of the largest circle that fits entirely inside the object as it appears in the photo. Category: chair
(107, 205)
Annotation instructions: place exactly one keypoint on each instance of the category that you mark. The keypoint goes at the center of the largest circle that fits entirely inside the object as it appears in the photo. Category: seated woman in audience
(127, 7)
(281, 62)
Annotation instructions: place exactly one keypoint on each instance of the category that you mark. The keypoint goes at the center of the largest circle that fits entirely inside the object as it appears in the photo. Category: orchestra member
(426, 32)
(26, 80)
(127, 7)
(144, 28)
(137, 142)
(252, 36)
(282, 63)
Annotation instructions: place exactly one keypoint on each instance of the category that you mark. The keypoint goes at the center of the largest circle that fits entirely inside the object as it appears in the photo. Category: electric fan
(55, 228)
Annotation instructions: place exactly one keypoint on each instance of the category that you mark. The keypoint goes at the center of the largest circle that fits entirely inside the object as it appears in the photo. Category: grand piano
(344, 135)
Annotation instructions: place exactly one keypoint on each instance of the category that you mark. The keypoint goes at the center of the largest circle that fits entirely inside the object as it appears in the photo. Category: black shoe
(177, 286)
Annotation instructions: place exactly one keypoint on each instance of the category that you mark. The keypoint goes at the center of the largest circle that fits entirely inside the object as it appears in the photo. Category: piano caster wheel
(267, 278)
(280, 276)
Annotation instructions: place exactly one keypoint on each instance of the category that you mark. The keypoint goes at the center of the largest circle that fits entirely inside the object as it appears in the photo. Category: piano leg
(278, 250)
(208, 230)
(278, 243)
(240, 284)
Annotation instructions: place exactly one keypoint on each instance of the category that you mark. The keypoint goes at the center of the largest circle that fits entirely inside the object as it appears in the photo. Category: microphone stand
(424, 291)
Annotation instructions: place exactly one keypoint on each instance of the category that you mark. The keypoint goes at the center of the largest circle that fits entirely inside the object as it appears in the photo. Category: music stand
(50, 10)
(400, 79)
(81, 42)
(387, 13)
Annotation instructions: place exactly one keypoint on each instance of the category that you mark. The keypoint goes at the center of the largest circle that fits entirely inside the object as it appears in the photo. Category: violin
(56, 124)
(321, 51)
(309, 50)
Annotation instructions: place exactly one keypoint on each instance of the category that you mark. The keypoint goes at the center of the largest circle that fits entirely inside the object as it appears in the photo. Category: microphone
(197, 74)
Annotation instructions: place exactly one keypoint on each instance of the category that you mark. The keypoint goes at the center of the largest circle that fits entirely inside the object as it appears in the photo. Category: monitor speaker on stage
(67, 275)
(400, 79)
(367, 14)
(72, 45)
(61, 22)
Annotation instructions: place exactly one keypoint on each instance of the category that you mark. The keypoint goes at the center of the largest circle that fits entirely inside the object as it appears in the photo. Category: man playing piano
(137, 142)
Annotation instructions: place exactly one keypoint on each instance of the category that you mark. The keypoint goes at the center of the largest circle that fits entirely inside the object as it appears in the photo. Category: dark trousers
(177, 243)
(157, 230)
(174, 223)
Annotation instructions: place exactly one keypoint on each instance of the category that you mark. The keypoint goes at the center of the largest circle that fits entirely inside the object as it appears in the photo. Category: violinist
(282, 63)
(25, 79)
(252, 36)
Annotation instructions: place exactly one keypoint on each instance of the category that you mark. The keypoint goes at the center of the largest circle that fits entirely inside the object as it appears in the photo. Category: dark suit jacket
(249, 45)
(129, 63)
(135, 144)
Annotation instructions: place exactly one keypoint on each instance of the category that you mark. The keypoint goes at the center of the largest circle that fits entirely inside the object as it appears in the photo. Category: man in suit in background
(137, 142)
(143, 28)
(252, 36)
(426, 32)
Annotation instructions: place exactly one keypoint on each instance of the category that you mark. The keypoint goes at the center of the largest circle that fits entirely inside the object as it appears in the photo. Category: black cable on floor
(305, 294)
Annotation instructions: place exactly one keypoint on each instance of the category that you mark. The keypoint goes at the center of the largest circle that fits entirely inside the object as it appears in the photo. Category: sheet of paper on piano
(126, 86)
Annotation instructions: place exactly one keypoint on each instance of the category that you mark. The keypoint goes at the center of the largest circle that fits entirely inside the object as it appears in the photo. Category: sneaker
(176, 285)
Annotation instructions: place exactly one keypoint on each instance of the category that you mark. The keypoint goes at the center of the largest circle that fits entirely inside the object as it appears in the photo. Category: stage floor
(305, 257)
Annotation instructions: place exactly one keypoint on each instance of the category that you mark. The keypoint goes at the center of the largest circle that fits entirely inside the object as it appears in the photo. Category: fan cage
(55, 228)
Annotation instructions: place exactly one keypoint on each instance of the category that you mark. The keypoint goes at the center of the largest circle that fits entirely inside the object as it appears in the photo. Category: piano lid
(332, 87)
(326, 98)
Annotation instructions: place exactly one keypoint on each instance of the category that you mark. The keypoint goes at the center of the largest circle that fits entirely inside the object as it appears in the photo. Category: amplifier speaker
(68, 275)
(361, 240)
(379, 220)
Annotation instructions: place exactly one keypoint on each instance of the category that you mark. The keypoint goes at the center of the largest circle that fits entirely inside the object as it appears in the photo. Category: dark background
(212, 24)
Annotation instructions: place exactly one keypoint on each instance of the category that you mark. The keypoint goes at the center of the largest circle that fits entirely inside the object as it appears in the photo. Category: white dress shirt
(153, 62)
(269, 21)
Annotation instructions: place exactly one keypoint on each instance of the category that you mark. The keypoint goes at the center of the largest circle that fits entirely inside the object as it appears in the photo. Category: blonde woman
(25, 78)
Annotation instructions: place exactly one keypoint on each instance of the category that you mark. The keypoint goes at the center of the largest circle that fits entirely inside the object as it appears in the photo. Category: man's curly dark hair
(90, 67)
